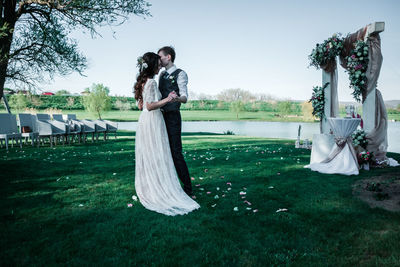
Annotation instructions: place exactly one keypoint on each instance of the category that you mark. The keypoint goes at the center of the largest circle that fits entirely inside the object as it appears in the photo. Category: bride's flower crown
(141, 64)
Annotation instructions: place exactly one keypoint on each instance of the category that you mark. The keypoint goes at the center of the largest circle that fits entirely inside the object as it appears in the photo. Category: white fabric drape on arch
(342, 158)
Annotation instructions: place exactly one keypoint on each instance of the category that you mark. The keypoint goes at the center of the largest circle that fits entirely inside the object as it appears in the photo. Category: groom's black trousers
(173, 122)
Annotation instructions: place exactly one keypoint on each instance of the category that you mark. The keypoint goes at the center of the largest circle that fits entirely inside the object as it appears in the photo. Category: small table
(342, 159)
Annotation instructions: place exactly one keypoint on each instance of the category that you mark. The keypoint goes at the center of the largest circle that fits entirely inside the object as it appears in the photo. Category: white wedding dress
(156, 182)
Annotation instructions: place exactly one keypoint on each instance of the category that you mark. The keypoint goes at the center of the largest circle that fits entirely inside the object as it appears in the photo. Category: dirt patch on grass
(380, 191)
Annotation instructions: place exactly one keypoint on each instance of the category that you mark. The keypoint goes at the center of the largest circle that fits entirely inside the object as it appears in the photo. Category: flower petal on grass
(235, 209)
(130, 205)
(281, 210)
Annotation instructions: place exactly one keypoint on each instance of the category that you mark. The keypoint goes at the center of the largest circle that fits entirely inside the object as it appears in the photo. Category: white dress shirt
(182, 80)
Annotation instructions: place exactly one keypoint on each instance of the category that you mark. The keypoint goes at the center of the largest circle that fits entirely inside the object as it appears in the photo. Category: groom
(174, 79)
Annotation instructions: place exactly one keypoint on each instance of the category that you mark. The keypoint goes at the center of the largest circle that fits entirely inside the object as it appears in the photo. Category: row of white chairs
(60, 128)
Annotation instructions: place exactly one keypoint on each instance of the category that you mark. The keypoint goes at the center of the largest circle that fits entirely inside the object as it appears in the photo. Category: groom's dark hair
(168, 50)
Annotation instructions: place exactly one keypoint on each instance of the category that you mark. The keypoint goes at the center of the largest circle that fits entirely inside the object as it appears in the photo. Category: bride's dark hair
(148, 67)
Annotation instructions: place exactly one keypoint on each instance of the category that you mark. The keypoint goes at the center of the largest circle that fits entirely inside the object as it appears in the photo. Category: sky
(260, 46)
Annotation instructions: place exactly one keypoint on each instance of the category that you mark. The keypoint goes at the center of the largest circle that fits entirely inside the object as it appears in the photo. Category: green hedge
(70, 102)
(66, 102)
(295, 107)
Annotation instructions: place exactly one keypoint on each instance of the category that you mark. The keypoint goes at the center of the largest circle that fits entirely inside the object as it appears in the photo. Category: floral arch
(360, 55)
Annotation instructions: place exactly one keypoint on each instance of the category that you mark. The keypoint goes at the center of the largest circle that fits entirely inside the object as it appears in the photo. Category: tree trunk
(8, 18)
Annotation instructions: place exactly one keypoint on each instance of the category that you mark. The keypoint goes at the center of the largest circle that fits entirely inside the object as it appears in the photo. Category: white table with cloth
(342, 159)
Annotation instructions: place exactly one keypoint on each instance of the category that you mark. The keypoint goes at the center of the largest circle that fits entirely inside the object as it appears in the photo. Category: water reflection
(285, 130)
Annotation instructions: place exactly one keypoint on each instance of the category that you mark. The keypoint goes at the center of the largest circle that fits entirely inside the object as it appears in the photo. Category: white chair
(27, 120)
(73, 128)
(112, 127)
(101, 127)
(75, 125)
(58, 129)
(45, 130)
(89, 127)
(9, 130)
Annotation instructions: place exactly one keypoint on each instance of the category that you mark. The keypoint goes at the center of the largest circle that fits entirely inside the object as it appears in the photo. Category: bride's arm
(158, 104)
(150, 97)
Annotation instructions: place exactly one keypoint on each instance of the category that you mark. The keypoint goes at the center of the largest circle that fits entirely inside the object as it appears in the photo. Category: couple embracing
(158, 145)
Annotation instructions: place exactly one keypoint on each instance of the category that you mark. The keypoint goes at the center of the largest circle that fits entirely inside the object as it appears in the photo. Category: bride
(156, 182)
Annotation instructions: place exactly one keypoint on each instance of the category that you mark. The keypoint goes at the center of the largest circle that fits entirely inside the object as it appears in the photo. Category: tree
(237, 107)
(18, 101)
(97, 100)
(307, 109)
(122, 105)
(285, 107)
(70, 102)
(34, 42)
(63, 92)
(231, 95)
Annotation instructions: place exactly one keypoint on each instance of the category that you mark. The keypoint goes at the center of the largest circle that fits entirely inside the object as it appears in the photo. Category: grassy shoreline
(202, 115)
(68, 206)
(207, 115)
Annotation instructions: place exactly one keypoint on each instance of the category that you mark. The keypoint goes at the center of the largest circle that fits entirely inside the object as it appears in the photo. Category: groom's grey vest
(167, 85)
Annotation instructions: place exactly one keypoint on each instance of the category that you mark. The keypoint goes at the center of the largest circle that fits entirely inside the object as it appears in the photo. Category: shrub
(18, 101)
(98, 100)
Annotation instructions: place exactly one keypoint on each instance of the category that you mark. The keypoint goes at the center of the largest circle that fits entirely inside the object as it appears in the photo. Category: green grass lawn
(200, 115)
(68, 206)
(203, 115)
(192, 115)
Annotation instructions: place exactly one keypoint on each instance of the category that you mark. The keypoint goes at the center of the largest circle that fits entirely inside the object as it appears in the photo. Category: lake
(285, 130)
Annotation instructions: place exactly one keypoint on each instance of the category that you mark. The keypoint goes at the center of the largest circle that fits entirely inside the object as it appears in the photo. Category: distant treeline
(66, 102)
(71, 102)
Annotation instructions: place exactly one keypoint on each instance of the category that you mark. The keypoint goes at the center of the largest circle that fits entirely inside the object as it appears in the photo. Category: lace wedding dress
(156, 182)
